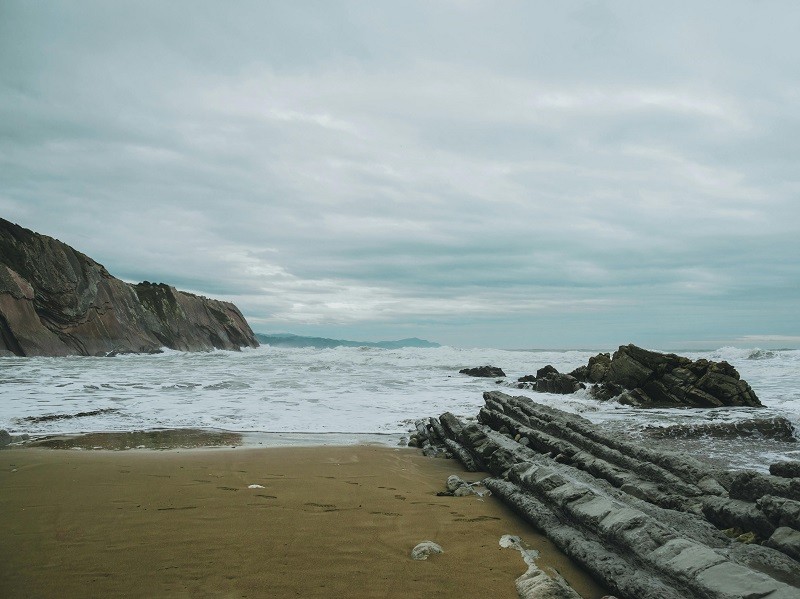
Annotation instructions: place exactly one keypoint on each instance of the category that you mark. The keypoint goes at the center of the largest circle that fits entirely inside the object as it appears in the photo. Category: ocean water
(350, 391)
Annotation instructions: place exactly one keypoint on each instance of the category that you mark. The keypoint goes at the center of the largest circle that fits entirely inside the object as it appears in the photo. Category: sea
(340, 395)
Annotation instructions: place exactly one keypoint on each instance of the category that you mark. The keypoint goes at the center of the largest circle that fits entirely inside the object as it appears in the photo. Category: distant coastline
(290, 340)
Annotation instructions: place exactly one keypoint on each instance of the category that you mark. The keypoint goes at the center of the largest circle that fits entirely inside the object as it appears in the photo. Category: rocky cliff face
(56, 301)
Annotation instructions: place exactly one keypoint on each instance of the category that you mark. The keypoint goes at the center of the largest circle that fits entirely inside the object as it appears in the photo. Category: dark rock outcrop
(595, 371)
(54, 417)
(56, 301)
(550, 380)
(751, 486)
(656, 379)
(644, 378)
(605, 391)
(789, 469)
(484, 371)
(647, 523)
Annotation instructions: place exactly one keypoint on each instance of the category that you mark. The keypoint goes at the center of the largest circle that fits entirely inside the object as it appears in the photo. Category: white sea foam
(348, 390)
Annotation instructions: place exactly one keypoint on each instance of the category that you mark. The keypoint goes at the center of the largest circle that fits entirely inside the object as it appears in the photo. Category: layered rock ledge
(56, 301)
(648, 524)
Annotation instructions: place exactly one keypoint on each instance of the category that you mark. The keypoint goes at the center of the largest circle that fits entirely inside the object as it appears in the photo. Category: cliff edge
(56, 301)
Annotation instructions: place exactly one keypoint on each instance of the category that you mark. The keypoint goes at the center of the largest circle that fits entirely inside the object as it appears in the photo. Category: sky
(572, 174)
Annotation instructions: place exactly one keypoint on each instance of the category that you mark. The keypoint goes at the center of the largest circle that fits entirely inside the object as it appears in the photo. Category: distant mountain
(289, 340)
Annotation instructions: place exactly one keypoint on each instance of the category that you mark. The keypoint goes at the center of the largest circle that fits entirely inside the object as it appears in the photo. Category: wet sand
(328, 522)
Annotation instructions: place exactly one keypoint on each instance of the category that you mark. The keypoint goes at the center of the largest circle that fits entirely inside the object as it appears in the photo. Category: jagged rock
(550, 380)
(56, 301)
(773, 561)
(785, 540)
(632, 366)
(451, 426)
(789, 469)
(780, 511)
(581, 373)
(546, 371)
(735, 513)
(556, 382)
(644, 378)
(5, 437)
(432, 451)
(605, 391)
(655, 380)
(595, 371)
(598, 367)
(483, 371)
(750, 486)
(778, 428)
(466, 458)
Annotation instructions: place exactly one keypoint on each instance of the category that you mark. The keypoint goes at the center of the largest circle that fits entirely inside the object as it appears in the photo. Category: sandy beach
(328, 522)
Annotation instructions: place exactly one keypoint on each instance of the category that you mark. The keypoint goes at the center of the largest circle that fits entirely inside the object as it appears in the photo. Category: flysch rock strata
(647, 524)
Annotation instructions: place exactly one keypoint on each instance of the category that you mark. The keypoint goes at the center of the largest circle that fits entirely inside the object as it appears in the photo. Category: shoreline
(196, 438)
(327, 521)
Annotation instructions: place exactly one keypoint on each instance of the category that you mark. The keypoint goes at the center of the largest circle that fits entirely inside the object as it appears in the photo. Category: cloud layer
(523, 175)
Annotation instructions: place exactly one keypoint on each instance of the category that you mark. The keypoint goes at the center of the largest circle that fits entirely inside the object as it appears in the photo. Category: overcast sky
(505, 174)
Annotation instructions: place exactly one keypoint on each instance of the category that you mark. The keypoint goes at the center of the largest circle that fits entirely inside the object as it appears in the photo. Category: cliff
(56, 301)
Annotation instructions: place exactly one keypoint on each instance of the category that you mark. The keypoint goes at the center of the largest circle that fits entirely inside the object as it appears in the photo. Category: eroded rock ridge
(647, 523)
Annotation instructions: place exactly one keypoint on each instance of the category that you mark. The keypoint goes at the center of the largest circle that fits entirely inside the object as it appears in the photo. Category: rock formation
(56, 301)
(656, 379)
(788, 469)
(484, 371)
(646, 379)
(647, 523)
(550, 380)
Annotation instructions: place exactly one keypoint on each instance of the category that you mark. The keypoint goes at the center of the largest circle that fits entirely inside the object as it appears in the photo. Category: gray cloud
(543, 174)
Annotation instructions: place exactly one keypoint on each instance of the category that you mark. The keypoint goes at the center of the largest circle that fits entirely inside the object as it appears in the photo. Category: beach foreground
(328, 522)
